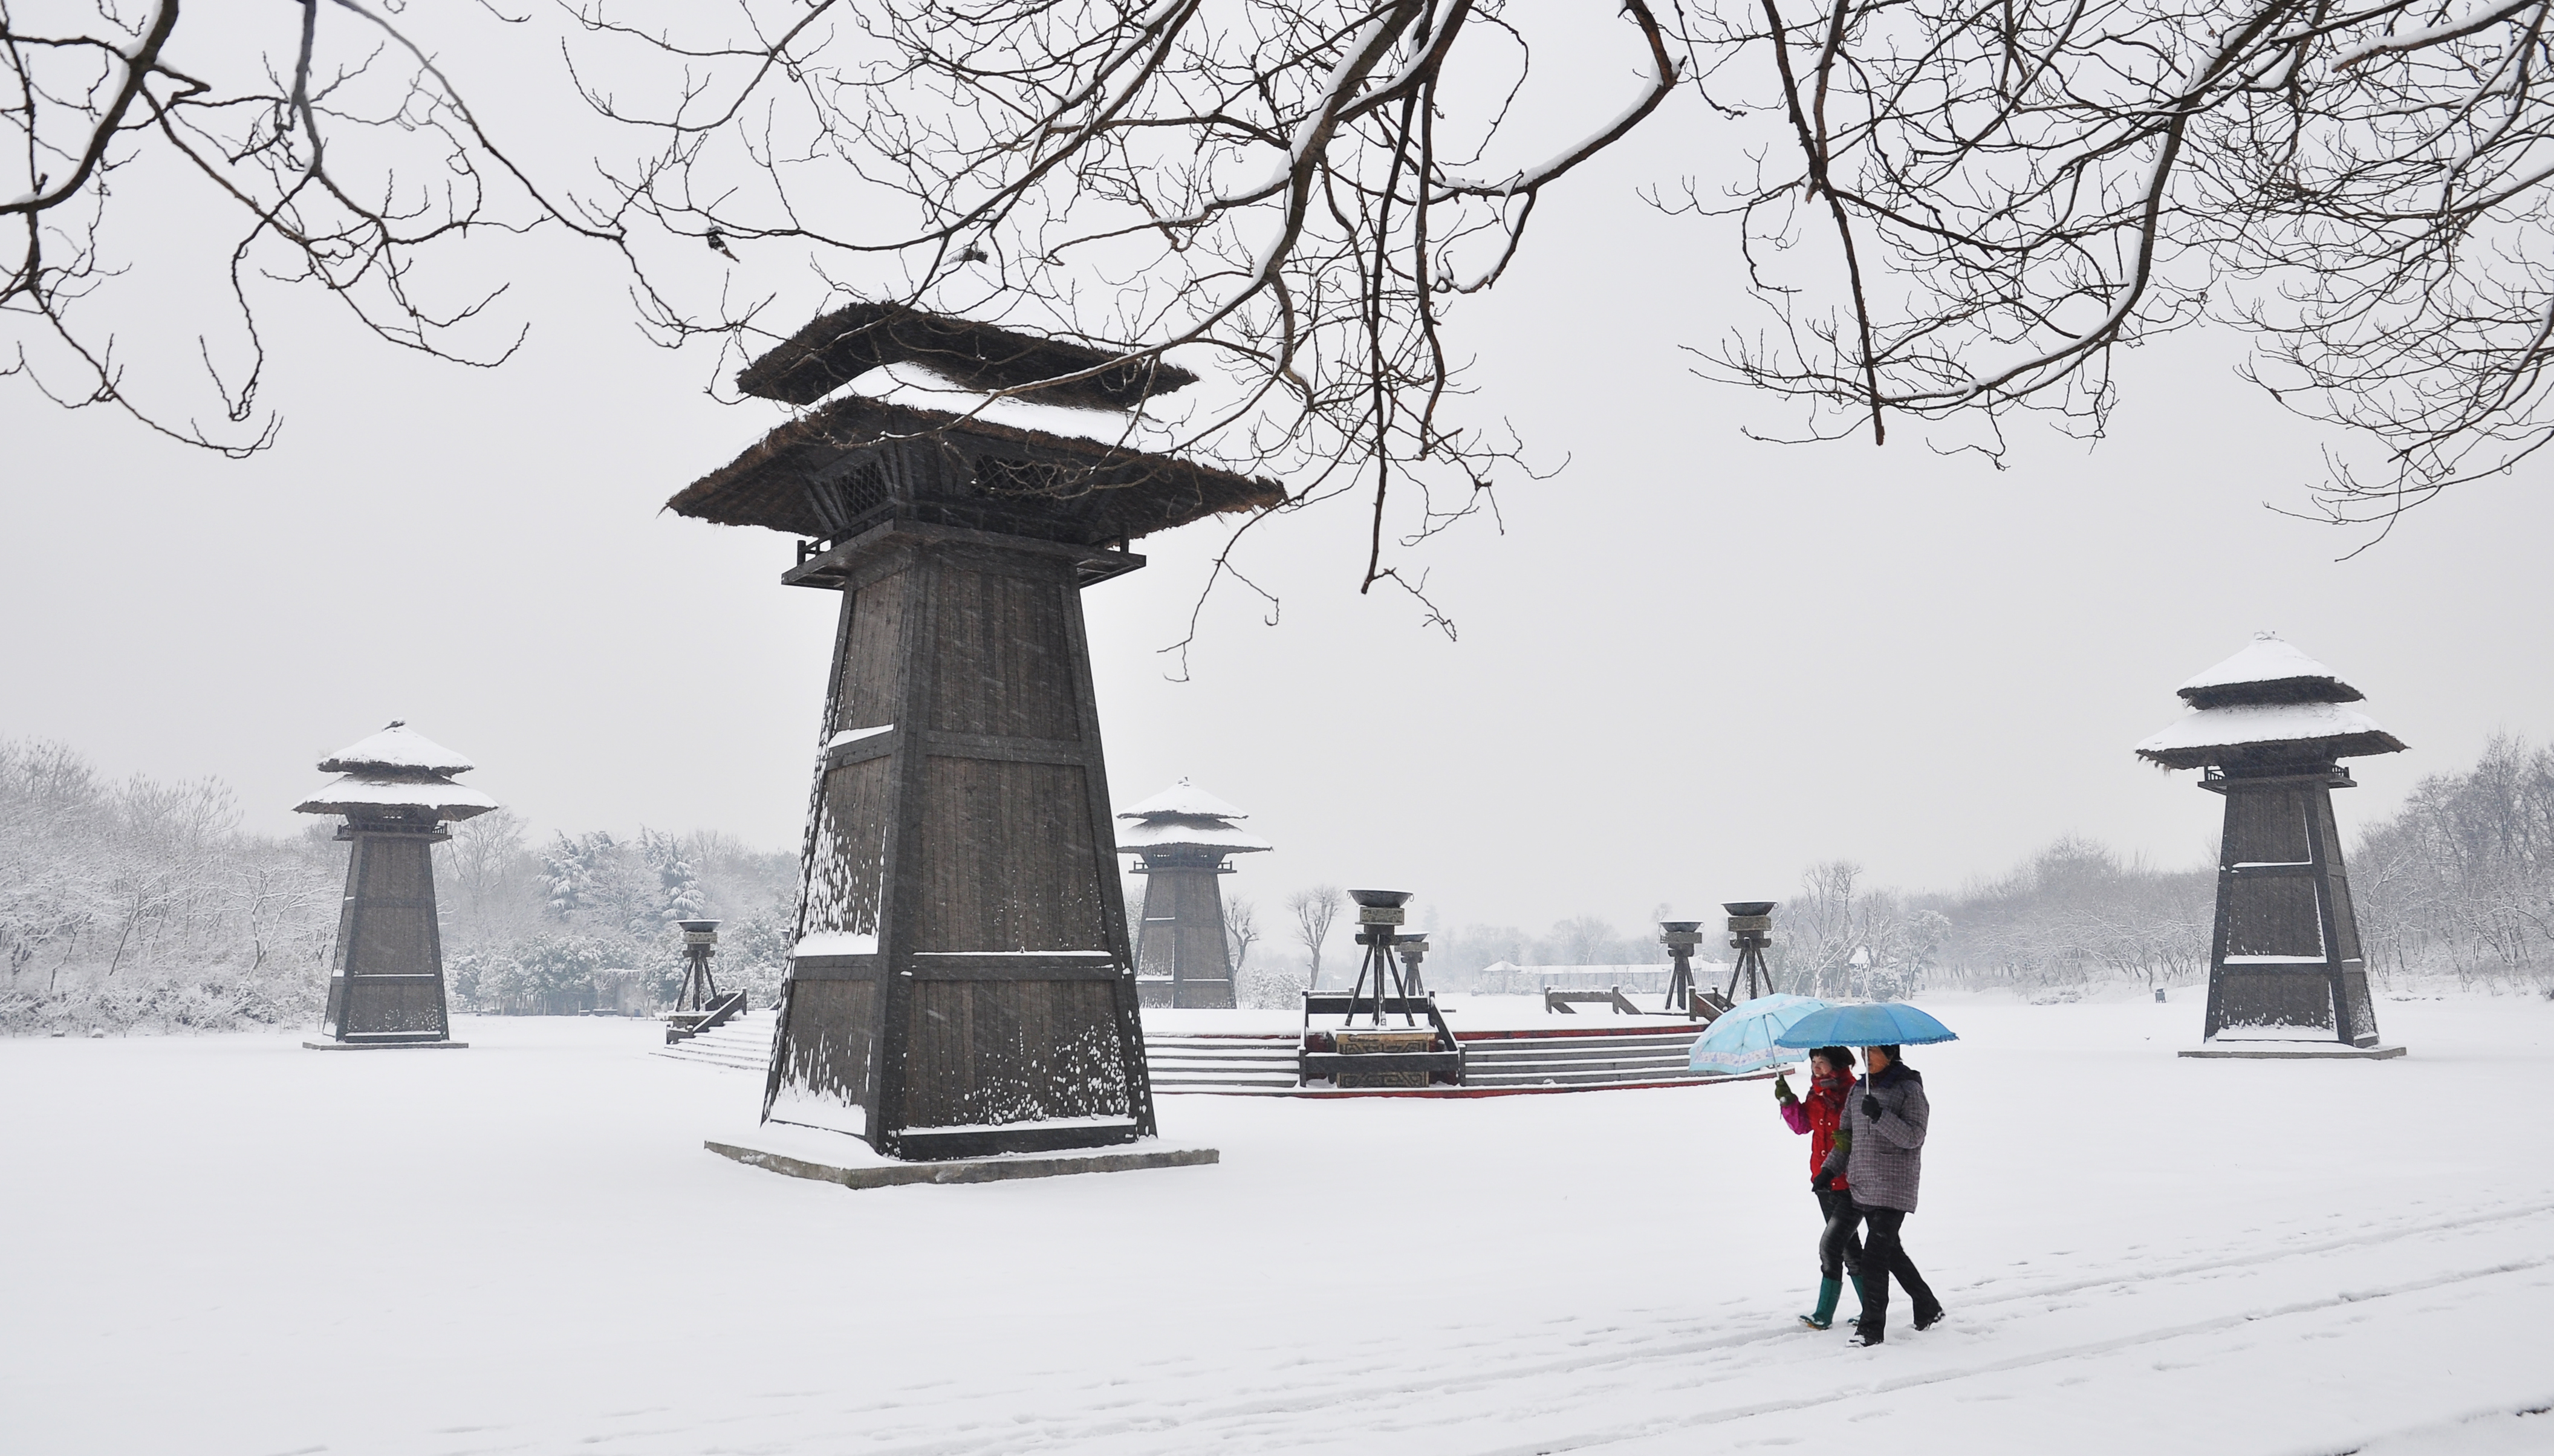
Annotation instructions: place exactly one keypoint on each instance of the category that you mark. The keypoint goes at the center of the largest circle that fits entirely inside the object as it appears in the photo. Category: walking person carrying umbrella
(1880, 1148)
(1822, 1115)
(1883, 1163)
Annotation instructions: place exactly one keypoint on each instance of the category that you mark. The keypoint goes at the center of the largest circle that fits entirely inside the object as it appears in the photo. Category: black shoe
(1928, 1322)
(1863, 1338)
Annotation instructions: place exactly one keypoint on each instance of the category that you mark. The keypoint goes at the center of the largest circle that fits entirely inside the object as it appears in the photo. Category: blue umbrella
(1742, 1039)
(1871, 1024)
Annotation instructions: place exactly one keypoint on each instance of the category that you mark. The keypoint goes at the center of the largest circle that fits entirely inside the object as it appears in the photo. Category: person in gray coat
(1883, 1164)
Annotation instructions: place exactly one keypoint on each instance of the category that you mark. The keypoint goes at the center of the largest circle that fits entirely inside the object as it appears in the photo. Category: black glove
(1871, 1107)
(1824, 1181)
(1783, 1090)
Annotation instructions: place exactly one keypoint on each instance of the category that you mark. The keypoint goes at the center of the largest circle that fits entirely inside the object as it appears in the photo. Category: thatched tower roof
(1185, 816)
(1183, 797)
(848, 342)
(2267, 707)
(2269, 670)
(822, 475)
(397, 769)
(397, 749)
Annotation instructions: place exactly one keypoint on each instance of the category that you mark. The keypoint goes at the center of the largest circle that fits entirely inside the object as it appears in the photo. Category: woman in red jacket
(1819, 1115)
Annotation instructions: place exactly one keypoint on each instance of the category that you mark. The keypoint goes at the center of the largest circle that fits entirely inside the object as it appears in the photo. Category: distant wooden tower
(1182, 839)
(386, 978)
(962, 982)
(2268, 733)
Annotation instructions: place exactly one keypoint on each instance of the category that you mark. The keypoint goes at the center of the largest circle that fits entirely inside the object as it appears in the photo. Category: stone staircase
(744, 1044)
(1517, 1061)
(1591, 1059)
(1264, 1064)
(1222, 1063)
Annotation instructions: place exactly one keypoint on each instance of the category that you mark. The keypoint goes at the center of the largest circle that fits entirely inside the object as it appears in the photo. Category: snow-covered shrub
(1270, 988)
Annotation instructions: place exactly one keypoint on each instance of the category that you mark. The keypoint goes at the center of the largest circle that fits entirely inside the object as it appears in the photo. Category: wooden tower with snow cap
(1183, 840)
(2268, 729)
(385, 977)
(962, 982)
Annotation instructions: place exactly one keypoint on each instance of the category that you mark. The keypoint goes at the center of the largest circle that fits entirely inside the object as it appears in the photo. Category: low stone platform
(2295, 1051)
(881, 1175)
(384, 1046)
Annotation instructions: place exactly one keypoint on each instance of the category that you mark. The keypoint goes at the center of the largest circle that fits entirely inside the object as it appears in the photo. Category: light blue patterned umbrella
(1871, 1024)
(1741, 1039)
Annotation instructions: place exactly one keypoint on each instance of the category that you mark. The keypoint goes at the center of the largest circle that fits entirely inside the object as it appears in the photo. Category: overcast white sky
(1690, 667)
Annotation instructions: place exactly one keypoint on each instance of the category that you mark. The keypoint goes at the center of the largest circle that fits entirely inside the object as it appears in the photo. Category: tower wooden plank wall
(1184, 947)
(385, 977)
(964, 973)
(2285, 952)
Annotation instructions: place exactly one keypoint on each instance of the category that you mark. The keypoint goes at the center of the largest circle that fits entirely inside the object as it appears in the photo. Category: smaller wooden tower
(1183, 840)
(2268, 732)
(386, 978)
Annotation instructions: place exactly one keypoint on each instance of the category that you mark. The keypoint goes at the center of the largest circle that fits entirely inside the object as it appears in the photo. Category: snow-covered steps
(1630, 1056)
(1264, 1064)
(1574, 1060)
(1222, 1063)
(744, 1044)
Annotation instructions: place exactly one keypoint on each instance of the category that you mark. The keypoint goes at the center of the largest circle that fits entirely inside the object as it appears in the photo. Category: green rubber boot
(1828, 1289)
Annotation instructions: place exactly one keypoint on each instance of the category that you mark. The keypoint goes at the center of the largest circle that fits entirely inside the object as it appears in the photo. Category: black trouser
(1839, 1245)
(1884, 1257)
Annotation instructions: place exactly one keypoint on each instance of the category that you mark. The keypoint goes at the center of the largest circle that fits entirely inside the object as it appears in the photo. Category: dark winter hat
(1891, 1052)
(1838, 1058)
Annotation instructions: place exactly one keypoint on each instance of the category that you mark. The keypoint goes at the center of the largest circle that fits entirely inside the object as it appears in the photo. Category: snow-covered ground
(228, 1245)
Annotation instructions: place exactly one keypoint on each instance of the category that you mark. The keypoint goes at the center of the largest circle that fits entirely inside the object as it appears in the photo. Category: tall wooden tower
(1183, 840)
(386, 977)
(2269, 733)
(962, 982)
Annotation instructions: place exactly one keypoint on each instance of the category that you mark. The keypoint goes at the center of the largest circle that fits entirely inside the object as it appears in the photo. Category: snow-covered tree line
(535, 925)
(143, 903)
(2461, 882)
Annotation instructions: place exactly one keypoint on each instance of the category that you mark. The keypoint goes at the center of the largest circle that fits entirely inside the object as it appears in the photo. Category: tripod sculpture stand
(1378, 912)
(1751, 930)
(1682, 936)
(1409, 1056)
(700, 1006)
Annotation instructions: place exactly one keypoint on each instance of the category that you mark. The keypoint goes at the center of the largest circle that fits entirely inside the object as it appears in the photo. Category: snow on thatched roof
(396, 749)
(848, 342)
(367, 795)
(1183, 797)
(2267, 670)
(396, 768)
(2267, 733)
(1184, 831)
